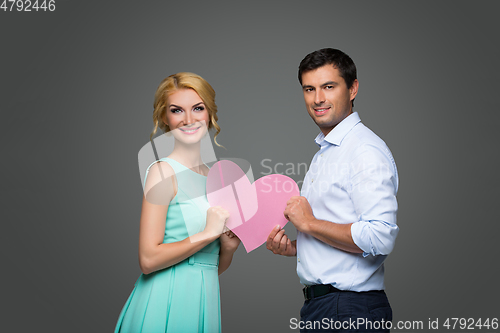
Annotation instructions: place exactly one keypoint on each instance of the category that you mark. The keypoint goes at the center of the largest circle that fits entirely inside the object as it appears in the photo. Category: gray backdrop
(77, 89)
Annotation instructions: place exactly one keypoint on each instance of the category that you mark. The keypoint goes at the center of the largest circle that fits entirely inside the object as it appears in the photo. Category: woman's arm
(228, 245)
(153, 254)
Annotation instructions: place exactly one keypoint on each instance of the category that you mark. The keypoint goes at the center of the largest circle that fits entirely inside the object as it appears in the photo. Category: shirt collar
(338, 133)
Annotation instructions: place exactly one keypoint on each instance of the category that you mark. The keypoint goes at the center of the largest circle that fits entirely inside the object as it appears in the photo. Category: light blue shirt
(352, 179)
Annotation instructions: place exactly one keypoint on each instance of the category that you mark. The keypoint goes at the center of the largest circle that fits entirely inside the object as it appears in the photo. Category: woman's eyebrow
(180, 107)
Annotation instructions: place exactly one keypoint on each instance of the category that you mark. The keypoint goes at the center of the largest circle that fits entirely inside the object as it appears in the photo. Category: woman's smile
(189, 130)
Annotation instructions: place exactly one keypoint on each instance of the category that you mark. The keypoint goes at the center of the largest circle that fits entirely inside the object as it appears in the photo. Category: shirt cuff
(374, 237)
(355, 231)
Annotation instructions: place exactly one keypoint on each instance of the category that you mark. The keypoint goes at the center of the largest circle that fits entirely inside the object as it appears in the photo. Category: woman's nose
(188, 118)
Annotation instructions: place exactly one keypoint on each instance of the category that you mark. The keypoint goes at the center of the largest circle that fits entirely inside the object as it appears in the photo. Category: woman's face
(186, 116)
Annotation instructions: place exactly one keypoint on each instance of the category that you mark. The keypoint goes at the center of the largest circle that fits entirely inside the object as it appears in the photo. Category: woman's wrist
(205, 236)
(228, 249)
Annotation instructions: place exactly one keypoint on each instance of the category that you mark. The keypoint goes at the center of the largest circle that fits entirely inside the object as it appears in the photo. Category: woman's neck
(187, 155)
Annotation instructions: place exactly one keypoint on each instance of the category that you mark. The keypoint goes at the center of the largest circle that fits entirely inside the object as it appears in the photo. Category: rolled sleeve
(374, 237)
(373, 189)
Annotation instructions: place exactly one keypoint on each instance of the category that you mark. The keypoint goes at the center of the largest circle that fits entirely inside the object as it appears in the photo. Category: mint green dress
(184, 297)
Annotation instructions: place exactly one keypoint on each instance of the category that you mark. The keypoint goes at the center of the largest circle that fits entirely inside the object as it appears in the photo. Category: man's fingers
(283, 243)
(271, 236)
(273, 232)
(278, 242)
(277, 238)
(275, 244)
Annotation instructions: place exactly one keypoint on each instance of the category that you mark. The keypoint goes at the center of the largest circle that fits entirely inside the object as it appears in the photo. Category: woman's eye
(175, 110)
(199, 108)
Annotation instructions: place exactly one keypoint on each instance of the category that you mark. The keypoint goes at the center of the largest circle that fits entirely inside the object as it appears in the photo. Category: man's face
(328, 100)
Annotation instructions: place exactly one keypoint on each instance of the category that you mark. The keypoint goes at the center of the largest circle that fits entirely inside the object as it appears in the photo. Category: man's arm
(299, 212)
(373, 188)
(373, 191)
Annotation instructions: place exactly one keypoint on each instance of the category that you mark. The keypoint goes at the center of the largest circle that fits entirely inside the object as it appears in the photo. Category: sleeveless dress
(183, 297)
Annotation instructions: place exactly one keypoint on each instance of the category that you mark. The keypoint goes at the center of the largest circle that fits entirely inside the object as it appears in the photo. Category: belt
(318, 290)
(204, 258)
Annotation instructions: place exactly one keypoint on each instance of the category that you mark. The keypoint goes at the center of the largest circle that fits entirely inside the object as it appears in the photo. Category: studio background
(77, 88)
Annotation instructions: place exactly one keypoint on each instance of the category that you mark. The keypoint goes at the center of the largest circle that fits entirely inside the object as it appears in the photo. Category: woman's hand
(228, 245)
(216, 221)
(229, 242)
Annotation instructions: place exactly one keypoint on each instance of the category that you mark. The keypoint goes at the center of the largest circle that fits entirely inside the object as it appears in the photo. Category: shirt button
(298, 259)
(321, 154)
(312, 180)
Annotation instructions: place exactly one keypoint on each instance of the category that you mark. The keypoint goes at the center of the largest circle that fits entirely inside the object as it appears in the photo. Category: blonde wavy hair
(184, 80)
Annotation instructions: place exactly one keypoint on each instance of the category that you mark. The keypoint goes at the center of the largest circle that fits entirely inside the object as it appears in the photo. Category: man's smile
(321, 111)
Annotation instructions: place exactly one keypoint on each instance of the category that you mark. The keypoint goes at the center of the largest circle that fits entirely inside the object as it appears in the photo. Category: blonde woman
(182, 246)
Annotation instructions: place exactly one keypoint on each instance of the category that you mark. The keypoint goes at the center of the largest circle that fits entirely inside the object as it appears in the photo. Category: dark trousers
(347, 311)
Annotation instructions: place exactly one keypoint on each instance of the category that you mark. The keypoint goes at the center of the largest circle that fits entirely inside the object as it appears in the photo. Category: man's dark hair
(330, 56)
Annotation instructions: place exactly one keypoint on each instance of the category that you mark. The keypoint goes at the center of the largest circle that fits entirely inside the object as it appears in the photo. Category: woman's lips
(190, 131)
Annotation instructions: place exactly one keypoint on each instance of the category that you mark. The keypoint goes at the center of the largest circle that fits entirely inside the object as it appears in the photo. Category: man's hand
(299, 212)
(279, 243)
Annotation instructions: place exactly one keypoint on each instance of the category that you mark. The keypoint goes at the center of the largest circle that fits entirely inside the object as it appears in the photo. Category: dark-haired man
(346, 216)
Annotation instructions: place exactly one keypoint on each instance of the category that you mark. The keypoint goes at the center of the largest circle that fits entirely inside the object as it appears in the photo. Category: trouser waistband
(318, 290)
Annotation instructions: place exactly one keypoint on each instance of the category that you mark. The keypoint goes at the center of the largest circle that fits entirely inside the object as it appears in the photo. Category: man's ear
(353, 91)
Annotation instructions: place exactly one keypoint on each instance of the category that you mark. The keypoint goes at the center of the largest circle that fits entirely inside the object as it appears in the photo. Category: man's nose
(319, 98)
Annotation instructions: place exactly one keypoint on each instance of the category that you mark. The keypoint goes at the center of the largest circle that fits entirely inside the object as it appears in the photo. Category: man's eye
(308, 89)
(329, 87)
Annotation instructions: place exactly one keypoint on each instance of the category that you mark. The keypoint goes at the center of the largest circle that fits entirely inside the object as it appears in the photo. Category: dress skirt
(181, 298)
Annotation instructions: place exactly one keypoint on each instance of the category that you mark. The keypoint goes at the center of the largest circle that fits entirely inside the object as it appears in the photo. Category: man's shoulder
(361, 135)
(362, 140)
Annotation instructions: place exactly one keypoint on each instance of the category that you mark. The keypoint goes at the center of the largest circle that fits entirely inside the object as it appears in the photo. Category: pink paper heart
(255, 209)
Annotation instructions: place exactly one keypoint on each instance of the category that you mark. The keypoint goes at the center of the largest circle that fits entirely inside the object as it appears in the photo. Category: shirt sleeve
(373, 187)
